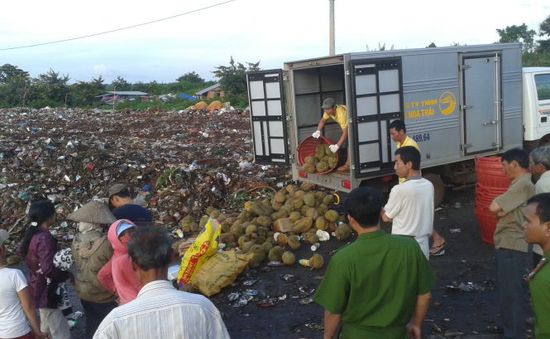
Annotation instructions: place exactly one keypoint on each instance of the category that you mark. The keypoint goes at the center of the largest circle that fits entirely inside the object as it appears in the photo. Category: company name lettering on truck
(446, 104)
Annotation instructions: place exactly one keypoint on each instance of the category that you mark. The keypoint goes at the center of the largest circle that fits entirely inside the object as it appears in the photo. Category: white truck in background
(457, 102)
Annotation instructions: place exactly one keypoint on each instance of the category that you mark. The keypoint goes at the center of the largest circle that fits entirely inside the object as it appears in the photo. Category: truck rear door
(481, 103)
(377, 100)
(267, 116)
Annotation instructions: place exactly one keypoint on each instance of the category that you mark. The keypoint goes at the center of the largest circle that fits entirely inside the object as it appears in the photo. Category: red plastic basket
(487, 225)
(307, 148)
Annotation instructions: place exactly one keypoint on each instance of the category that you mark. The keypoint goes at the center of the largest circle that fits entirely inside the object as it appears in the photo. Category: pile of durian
(322, 161)
(273, 228)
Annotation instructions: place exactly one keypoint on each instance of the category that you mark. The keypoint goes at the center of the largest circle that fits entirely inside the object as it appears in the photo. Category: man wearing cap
(123, 206)
(91, 251)
(338, 113)
(378, 286)
(160, 311)
(16, 304)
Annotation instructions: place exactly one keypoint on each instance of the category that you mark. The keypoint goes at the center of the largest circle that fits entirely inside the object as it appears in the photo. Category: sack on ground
(220, 271)
(204, 247)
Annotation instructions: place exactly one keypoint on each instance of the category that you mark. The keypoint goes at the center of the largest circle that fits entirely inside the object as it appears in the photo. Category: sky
(205, 34)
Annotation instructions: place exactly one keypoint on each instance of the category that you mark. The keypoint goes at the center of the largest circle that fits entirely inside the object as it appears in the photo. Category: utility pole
(331, 28)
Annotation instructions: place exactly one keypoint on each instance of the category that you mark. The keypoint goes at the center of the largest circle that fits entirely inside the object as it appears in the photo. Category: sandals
(436, 251)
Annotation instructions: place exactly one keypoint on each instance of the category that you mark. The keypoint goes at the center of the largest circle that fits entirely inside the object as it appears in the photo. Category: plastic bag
(220, 271)
(205, 246)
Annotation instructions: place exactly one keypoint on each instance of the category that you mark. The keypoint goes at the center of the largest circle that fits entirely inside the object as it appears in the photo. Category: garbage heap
(179, 162)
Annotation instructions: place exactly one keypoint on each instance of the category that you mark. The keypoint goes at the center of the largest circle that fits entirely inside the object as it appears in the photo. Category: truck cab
(536, 106)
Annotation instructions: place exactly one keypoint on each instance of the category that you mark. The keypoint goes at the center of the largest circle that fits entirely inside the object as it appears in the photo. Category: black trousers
(95, 312)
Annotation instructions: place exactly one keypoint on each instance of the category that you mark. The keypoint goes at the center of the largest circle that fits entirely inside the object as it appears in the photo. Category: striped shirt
(161, 311)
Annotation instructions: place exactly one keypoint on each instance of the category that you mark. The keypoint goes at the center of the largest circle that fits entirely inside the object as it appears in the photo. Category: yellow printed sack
(204, 247)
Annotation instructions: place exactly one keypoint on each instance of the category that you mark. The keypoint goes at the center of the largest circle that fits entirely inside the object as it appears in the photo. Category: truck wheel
(439, 187)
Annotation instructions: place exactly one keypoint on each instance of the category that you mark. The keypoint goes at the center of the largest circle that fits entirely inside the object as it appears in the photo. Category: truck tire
(439, 187)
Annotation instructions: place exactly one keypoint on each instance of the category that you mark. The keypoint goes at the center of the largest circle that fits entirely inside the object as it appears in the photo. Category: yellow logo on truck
(447, 103)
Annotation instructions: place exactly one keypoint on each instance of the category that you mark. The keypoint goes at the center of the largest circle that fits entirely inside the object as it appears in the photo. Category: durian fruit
(264, 220)
(321, 166)
(294, 242)
(251, 229)
(228, 238)
(332, 161)
(302, 225)
(320, 151)
(310, 237)
(321, 223)
(328, 199)
(294, 216)
(331, 215)
(281, 239)
(315, 262)
(279, 197)
(299, 194)
(259, 255)
(291, 189)
(310, 160)
(276, 205)
(312, 213)
(275, 253)
(267, 245)
(310, 168)
(258, 208)
(343, 232)
(237, 229)
(288, 258)
(246, 243)
(307, 186)
(309, 199)
(297, 203)
(213, 212)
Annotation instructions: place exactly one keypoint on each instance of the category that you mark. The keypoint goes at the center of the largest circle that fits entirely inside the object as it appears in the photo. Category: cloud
(100, 70)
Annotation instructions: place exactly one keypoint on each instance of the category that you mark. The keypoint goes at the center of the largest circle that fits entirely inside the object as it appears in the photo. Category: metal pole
(331, 25)
(114, 97)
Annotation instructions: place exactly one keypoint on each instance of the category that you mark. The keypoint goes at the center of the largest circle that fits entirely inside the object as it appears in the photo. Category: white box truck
(457, 103)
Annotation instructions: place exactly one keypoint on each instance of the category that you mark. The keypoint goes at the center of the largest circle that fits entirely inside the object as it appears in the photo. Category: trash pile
(178, 162)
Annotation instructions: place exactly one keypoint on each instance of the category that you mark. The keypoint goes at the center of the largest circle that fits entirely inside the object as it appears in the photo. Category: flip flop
(436, 251)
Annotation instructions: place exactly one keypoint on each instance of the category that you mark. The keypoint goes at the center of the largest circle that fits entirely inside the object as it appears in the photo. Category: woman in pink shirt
(118, 275)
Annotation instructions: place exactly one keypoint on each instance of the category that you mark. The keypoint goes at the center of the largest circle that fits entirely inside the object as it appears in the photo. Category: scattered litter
(467, 286)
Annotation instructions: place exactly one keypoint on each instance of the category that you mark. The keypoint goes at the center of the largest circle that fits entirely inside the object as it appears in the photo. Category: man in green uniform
(537, 231)
(378, 286)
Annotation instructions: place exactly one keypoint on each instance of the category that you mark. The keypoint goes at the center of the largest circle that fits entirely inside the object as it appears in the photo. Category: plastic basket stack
(490, 183)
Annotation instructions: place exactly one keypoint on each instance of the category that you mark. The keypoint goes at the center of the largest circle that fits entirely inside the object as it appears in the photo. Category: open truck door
(267, 116)
(377, 100)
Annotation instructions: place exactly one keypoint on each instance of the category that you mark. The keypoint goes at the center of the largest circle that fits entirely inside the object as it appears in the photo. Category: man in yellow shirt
(398, 134)
(338, 113)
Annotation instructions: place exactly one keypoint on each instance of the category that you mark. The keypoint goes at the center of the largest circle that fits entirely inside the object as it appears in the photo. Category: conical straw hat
(94, 212)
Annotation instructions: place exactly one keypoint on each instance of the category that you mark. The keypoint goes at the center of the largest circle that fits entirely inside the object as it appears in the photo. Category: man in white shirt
(410, 206)
(160, 311)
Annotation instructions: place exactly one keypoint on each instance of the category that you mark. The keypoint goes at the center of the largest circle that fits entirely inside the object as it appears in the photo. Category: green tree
(50, 89)
(521, 34)
(191, 77)
(14, 86)
(84, 94)
(232, 79)
(544, 31)
(120, 84)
